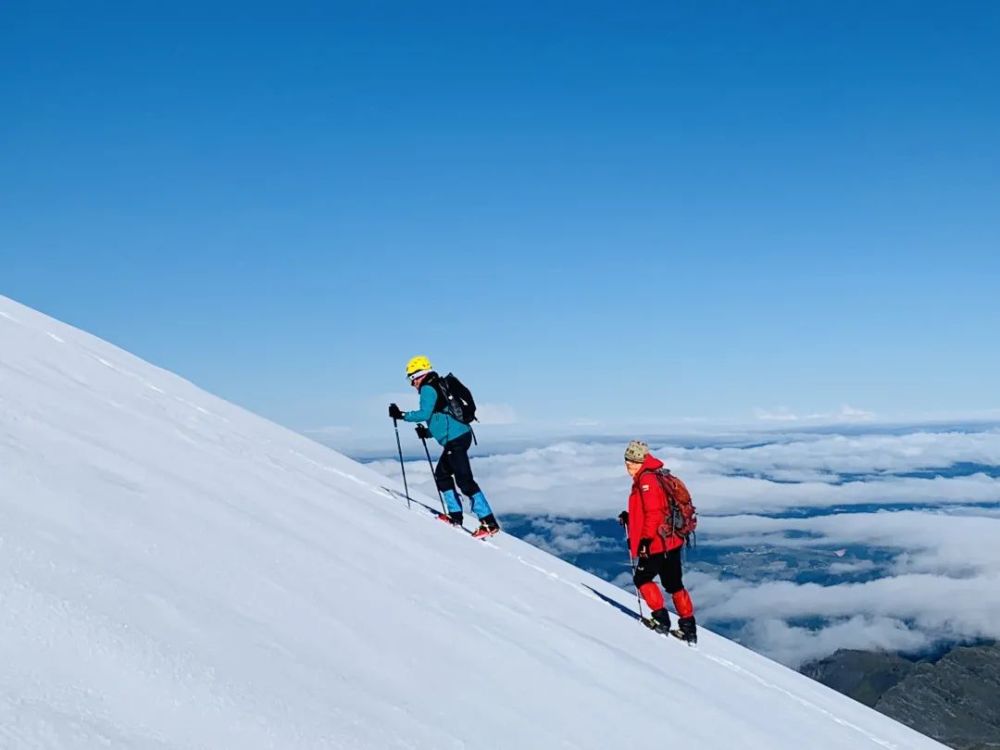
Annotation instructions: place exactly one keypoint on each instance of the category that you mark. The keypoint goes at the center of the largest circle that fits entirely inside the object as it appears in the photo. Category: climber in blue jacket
(456, 439)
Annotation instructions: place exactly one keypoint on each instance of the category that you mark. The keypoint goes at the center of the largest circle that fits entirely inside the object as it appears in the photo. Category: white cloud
(332, 430)
(845, 414)
(849, 413)
(796, 645)
(495, 414)
(722, 494)
(780, 414)
(588, 480)
(855, 566)
(933, 541)
(942, 606)
(564, 537)
(940, 586)
(866, 453)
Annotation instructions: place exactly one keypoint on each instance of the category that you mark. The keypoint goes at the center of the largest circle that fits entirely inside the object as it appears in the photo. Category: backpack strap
(432, 381)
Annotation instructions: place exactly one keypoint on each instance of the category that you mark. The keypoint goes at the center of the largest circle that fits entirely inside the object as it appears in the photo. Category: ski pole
(402, 466)
(628, 548)
(430, 463)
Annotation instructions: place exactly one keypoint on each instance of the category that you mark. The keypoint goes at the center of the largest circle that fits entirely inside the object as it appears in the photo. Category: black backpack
(455, 399)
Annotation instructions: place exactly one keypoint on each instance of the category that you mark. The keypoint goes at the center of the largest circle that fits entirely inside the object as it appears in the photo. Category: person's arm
(635, 521)
(428, 398)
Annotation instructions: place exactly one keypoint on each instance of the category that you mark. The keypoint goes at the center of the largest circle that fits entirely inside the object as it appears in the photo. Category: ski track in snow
(178, 573)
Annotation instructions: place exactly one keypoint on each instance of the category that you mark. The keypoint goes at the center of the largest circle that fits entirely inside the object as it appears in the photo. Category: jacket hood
(650, 463)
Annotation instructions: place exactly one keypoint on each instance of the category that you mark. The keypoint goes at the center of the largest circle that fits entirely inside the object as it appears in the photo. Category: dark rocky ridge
(863, 675)
(955, 699)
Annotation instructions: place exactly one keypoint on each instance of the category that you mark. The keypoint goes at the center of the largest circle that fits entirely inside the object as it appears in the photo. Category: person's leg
(458, 458)
(446, 484)
(671, 573)
(671, 576)
(646, 570)
(457, 452)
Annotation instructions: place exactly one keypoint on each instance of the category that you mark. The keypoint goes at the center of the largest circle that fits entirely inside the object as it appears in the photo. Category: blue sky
(592, 212)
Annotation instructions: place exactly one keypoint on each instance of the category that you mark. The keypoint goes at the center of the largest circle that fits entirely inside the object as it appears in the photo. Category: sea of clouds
(904, 525)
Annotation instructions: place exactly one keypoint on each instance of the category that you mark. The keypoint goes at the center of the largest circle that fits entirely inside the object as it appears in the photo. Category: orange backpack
(681, 519)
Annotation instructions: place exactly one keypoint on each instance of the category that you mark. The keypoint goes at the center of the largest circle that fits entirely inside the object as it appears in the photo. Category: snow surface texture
(176, 572)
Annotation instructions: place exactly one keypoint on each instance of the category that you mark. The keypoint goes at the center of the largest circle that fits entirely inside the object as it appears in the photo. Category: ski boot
(455, 519)
(488, 526)
(660, 620)
(688, 630)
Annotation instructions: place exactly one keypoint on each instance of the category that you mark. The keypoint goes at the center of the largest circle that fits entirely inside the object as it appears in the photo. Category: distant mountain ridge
(955, 699)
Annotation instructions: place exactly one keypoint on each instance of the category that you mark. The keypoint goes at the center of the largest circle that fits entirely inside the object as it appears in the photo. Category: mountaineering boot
(661, 618)
(488, 526)
(688, 628)
(454, 518)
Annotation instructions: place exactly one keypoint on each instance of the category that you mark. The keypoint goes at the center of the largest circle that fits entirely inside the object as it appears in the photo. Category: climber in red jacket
(659, 554)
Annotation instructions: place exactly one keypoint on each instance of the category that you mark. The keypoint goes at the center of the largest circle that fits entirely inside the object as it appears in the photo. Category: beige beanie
(636, 452)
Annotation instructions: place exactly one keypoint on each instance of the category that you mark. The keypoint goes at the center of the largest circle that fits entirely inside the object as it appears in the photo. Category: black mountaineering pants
(453, 467)
(666, 566)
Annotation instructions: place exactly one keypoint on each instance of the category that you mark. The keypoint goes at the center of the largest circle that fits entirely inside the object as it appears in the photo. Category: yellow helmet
(418, 364)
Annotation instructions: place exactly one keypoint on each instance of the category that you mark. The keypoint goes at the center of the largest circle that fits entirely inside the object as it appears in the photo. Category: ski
(478, 534)
(447, 521)
(460, 528)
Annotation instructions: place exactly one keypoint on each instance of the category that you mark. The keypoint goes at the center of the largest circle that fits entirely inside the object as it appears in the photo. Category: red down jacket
(647, 510)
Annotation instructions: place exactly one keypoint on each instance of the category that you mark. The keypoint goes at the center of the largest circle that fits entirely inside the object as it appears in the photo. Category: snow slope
(178, 573)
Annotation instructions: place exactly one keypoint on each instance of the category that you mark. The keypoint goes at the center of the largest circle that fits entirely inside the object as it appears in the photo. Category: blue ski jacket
(443, 427)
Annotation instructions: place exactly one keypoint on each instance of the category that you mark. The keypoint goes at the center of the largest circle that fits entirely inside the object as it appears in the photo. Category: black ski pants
(453, 467)
(665, 565)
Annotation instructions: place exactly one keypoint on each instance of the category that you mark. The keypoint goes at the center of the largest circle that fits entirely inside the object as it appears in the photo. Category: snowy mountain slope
(178, 573)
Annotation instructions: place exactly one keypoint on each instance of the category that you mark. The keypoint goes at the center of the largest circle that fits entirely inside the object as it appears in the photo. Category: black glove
(394, 412)
(623, 519)
(644, 547)
(422, 432)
